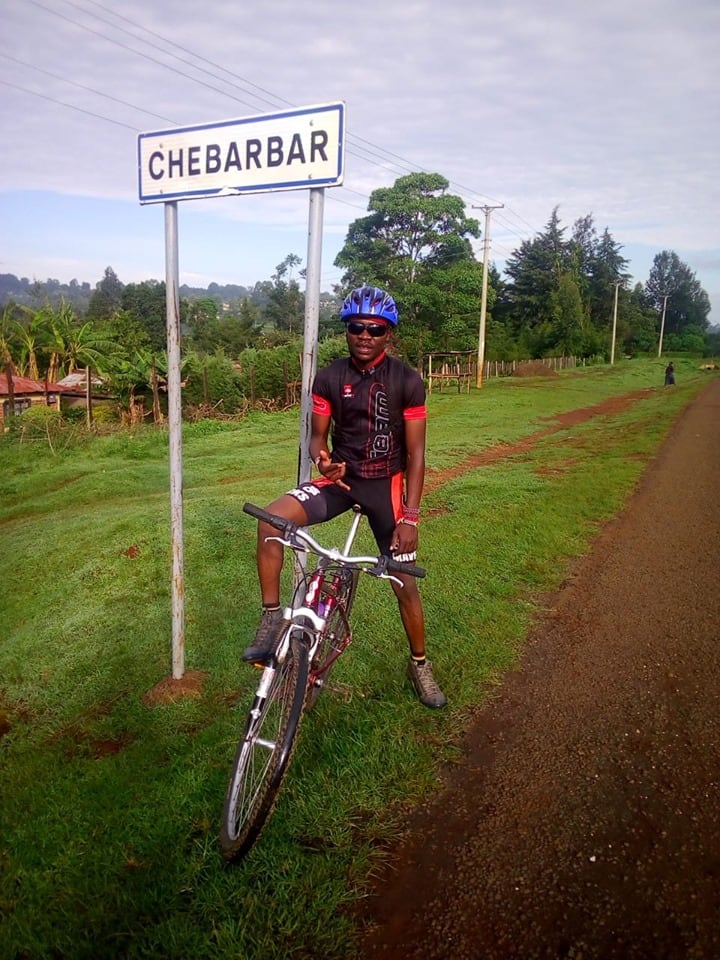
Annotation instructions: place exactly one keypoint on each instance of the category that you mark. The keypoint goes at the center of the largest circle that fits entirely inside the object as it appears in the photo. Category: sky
(607, 109)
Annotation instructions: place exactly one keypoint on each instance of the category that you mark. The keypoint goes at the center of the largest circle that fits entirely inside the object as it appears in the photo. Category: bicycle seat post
(357, 517)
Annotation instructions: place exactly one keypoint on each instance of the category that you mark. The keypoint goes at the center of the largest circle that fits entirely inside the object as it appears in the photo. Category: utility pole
(483, 302)
(662, 324)
(612, 345)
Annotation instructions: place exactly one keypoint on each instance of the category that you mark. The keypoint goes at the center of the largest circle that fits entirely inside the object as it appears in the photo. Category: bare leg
(419, 669)
(270, 555)
(411, 614)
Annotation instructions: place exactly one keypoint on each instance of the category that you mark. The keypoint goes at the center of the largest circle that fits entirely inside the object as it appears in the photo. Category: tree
(201, 317)
(535, 270)
(285, 308)
(145, 302)
(416, 243)
(596, 264)
(30, 334)
(9, 344)
(72, 343)
(687, 304)
(14, 322)
(608, 267)
(413, 223)
(106, 298)
(638, 330)
(569, 318)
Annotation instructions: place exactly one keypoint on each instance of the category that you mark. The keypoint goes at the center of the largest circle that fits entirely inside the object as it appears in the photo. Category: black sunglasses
(374, 329)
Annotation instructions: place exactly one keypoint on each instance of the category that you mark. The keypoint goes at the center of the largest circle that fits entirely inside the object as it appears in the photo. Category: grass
(110, 809)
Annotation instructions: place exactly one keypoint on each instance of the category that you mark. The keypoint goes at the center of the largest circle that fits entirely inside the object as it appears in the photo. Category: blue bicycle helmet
(369, 302)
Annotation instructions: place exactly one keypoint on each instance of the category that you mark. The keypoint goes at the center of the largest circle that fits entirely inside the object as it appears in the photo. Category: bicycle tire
(336, 628)
(264, 754)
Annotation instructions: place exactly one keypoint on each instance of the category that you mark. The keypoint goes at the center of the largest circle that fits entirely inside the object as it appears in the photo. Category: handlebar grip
(397, 567)
(279, 523)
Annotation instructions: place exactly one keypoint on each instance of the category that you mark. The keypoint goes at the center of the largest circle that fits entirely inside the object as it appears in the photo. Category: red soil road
(585, 820)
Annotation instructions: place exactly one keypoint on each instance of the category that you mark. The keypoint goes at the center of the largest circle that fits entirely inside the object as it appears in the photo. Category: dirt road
(585, 823)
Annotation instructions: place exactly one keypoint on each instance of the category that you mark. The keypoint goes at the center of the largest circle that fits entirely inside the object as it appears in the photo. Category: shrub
(38, 421)
(106, 413)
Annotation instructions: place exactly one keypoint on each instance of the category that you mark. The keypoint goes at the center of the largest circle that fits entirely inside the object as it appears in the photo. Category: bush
(105, 413)
(74, 415)
(214, 385)
(38, 421)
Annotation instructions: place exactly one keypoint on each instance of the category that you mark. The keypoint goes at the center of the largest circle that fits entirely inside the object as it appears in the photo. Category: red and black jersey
(369, 409)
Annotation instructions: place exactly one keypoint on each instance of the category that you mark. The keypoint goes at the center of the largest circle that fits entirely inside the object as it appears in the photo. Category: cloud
(610, 109)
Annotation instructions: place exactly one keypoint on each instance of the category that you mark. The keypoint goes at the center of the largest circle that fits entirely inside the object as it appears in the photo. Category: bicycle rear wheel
(335, 637)
(264, 753)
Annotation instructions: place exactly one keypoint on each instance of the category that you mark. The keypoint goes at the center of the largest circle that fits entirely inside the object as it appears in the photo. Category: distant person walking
(670, 374)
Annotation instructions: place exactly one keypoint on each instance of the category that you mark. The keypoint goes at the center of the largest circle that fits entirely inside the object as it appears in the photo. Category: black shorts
(380, 498)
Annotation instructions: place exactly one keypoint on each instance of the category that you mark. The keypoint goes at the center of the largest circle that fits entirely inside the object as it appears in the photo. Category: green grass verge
(110, 808)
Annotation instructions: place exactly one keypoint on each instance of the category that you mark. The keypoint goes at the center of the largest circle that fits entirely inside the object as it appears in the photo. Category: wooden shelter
(457, 367)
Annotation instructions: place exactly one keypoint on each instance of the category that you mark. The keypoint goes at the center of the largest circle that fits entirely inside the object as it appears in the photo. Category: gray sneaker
(266, 637)
(429, 693)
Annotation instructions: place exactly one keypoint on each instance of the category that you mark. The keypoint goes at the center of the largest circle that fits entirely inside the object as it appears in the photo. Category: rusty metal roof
(28, 385)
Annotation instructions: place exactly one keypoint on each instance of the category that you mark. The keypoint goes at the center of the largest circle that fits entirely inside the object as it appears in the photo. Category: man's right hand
(334, 472)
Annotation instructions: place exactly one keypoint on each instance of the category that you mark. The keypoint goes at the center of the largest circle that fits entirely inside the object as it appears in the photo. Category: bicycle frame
(320, 601)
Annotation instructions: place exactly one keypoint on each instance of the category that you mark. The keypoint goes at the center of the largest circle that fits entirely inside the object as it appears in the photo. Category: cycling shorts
(381, 500)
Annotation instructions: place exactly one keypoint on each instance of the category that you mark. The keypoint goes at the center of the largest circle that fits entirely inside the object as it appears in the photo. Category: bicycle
(315, 632)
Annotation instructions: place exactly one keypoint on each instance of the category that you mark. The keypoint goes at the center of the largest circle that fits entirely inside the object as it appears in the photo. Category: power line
(178, 46)
(357, 146)
(138, 53)
(370, 149)
(82, 86)
(70, 106)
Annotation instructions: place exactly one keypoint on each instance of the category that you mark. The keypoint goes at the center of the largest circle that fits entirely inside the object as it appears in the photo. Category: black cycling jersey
(369, 409)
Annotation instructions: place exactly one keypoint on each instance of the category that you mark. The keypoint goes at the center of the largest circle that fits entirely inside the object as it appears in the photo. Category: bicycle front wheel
(264, 753)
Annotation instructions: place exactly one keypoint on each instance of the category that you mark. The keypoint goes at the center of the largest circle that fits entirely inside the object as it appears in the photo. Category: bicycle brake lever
(380, 571)
(296, 545)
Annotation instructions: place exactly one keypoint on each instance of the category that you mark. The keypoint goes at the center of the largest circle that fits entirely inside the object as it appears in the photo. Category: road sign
(293, 150)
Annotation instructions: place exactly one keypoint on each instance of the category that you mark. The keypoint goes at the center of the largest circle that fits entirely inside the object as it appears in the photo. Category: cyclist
(373, 406)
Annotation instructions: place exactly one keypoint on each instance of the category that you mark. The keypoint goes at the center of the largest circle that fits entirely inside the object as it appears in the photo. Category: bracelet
(411, 513)
(409, 522)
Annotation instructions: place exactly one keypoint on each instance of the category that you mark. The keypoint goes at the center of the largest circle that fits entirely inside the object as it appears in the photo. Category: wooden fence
(460, 368)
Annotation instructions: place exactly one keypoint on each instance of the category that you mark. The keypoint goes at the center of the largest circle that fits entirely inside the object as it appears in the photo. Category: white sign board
(293, 150)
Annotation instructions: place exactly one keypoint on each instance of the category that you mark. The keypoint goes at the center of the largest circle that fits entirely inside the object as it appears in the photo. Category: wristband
(409, 522)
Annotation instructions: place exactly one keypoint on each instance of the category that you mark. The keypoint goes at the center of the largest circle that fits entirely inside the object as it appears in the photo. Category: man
(375, 407)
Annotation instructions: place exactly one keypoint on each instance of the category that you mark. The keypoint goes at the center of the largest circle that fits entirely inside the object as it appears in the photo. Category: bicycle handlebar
(298, 535)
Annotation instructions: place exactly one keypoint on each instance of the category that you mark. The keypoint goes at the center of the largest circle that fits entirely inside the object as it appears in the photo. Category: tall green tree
(687, 304)
(413, 224)
(641, 321)
(416, 243)
(570, 320)
(535, 270)
(608, 268)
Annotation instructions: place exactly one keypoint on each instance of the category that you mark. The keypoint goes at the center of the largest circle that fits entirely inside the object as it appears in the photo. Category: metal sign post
(172, 307)
(296, 149)
(312, 323)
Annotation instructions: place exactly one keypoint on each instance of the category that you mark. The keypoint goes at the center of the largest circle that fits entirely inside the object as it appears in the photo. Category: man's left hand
(405, 539)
